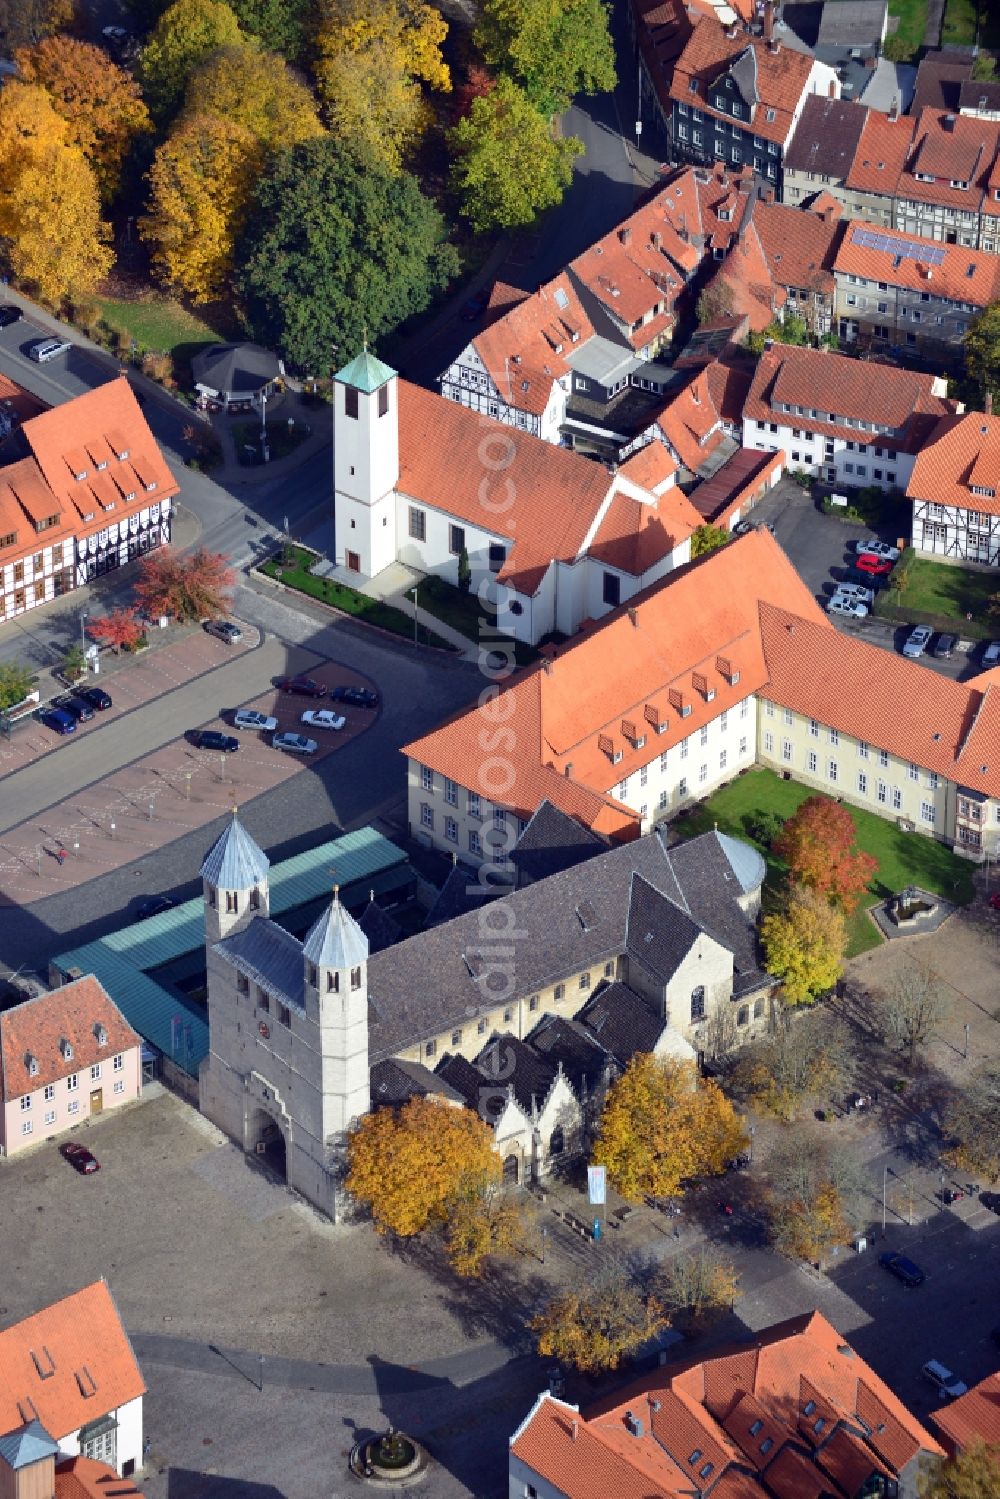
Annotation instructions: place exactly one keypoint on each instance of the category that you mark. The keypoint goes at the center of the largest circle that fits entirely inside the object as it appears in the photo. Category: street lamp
(111, 829)
(750, 1131)
(413, 590)
(83, 636)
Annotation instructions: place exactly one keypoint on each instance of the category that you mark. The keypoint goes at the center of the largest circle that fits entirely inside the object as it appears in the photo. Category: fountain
(392, 1458)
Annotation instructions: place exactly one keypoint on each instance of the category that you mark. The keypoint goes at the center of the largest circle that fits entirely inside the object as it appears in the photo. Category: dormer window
(80, 476)
(693, 85)
(66, 1047)
(32, 1063)
(122, 455)
(102, 465)
(101, 1034)
(150, 486)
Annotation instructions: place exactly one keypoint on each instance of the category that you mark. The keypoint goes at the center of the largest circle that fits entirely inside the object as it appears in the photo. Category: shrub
(764, 827)
(158, 367)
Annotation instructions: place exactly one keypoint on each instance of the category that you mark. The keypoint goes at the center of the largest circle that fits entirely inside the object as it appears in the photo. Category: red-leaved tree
(818, 843)
(184, 587)
(478, 83)
(120, 629)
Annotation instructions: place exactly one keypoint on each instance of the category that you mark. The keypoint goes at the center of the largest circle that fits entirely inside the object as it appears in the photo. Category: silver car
(991, 653)
(872, 547)
(850, 608)
(295, 744)
(249, 718)
(856, 592)
(917, 641)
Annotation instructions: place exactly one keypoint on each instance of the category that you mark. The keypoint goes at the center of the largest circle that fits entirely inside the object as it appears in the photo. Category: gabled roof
(634, 536)
(745, 283)
(950, 148)
(638, 269)
(378, 926)
(335, 940)
(881, 153)
(717, 498)
(394, 1081)
(954, 272)
(524, 351)
(552, 841)
(584, 1061)
(68, 1364)
(939, 79)
(269, 957)
(973, 1417)
(85, 1478)
(691, 424)
(826, 137)
(959, 452)
(621, 1022)
(799, 246)
(59, 1033)
(778, 79)
(235, 861)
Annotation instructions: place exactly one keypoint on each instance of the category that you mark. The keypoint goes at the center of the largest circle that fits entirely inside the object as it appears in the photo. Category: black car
(77, 706)
(9, 314)
(154, 906)
(903, 1269)
(211, 739)
(95, 696)
(301, 686)
(357, 697)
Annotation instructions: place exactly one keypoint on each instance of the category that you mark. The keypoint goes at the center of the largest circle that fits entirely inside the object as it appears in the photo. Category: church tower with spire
(365, 464)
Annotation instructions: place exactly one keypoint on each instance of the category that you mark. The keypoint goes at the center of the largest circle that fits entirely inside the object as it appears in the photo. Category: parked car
(58, 720)
(857, 593)
(917, 641)
(944, 649)
(849, 607)
(301, 686)
(154, 906)
(95, 696)
(873, 567)
(991, 653)
(948, 1385)
(48, 348)
(82, 1159)
(225, 630)
(872, 547)
(323, 718)
(990, 1200)
(211, 739)
(295, 744)
(356, 697)
(249, 718)
(474, 307)
(77, 707)
(9, 314)
(903, 1269)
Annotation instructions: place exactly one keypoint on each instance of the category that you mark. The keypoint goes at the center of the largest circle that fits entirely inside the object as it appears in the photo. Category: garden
(292, 569)
(943, 591)
(903, 858)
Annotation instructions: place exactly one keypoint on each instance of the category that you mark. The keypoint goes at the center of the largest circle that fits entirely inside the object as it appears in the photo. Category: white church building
(554, 538)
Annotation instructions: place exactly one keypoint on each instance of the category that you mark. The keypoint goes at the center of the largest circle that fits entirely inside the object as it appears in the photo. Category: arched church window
(355, 978)
(333, 983)
(232, 903)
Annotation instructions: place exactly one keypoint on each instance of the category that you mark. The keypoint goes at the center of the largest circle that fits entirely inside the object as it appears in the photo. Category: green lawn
(960, 24)
(903, 858)
(161, 325)
(371, 611)
(281, 440)
(912, 21)
(953, 591)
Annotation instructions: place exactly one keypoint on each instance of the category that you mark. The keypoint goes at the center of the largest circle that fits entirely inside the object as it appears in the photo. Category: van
(49, 348)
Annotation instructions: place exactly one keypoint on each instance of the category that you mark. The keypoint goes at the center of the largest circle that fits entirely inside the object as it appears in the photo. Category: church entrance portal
(266, 1143)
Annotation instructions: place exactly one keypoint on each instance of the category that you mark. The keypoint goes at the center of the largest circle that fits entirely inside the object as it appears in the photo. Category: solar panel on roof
(906, 249)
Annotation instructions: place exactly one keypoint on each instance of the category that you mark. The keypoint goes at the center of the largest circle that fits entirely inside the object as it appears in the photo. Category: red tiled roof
(675, 1432)
(741, 477)
(36, 1029)
(639, 268)
(799, 245)
(963, 150)
(85, 1365)
(838, 386)
(973, 1417)
(524, 351)
(651, 467)
(635, 536)
(881, 153)
(691, 424)
(729, 380)
(782, 76)
(959, 452)
(747, 283)
(941, 270)
(84, 1478)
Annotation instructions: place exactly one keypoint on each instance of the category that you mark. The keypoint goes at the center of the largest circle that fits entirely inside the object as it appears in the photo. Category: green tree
(508, 164)
(279, 25)
(982, 349)
(662, 1123)
(186, 34)
(592, 1326)
(971, 1474)
(16, 681)
(257, 92)
(984, 67)
(73, 662)
(555, 49)
(706, 538)
(804, 945)
(336, 248)
(791, 329)
(464, 570)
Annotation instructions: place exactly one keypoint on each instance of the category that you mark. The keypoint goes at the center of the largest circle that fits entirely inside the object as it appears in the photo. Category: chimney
(633, 615)
(657, 239)
(575, 1427)
(949, 122)
(625, 235)
(768, 21)
(568, 771)
(547, 666)
(988, 403)
(894, 108)
(832, 90)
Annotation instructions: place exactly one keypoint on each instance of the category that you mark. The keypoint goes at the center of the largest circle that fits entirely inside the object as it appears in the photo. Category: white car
(872, 547)
(848, 607)
(948, 1385)
(917, 641)
(323, 718)
(295, 744)
(856, 593)
(991, 654)
(249, 718)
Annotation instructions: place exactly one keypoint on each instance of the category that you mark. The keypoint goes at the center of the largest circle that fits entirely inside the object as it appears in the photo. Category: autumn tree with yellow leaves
(483, 1220)
(592, 1326)
(817, 1197)
(663, 1123)
(187, 33)
(258, 92)
(201, 183)
(49, 203)
(407, 1165)
(371, 58)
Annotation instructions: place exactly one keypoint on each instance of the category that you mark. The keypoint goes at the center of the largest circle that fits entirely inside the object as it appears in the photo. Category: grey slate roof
(506, 1060)
(335, 940)
(940, 77)
(744, 75)
(584, 1060)
(235, 369)
(973, 95)
(552, 841)
(29, 1444)
(460, 893)
(852, 23)
(747, 864)
(236, 862)
(658, 934)
(621, 1021)
(270, 957)
(378, 926)
(826, 138)
(444, 976)
(394, 1082)
(463, 1078)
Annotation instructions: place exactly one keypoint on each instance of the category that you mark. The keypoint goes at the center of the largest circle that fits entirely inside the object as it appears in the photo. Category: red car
(876, 567)
(995, 900)
(80, 1158)
(301, 686)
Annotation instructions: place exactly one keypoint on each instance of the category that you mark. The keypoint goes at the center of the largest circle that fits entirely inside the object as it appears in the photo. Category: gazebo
(236, 376)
